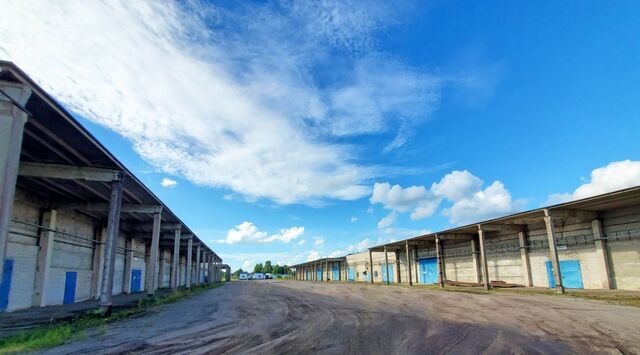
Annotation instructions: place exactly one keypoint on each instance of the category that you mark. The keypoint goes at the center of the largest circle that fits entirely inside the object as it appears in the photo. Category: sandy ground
(302, 317)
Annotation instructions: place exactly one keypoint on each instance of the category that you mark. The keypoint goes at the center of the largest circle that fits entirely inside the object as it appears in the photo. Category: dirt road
(303, 317)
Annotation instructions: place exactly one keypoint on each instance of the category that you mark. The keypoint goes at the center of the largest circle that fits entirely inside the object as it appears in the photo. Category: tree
(238, 272)
(267, 269)
(258, 268)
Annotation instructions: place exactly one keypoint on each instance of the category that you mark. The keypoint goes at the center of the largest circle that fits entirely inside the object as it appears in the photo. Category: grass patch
(58, 334)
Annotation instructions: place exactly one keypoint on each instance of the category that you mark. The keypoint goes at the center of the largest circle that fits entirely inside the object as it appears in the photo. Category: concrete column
(128, 265)
(370, 266)
(189, 253)
(198, 251)
(98, 262)
(483, 258)
(45, 254)
(415, 264)
(176, 260)
(211, 274)
(406, 247)
(161, 268)
(524, 256)
(602, 255)
(398, 277)
(553, 251)
(326, 270)
(386, 263)
(441, 276)
(113, 227)
(12, 121)
(474, 256)
(153, 254)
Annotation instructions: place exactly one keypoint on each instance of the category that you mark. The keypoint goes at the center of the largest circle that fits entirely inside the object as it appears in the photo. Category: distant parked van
(243, 276)
(258, 276)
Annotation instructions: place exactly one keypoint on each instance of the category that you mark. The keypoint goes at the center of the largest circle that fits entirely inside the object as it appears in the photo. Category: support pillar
(415, 259)
(524, 256)
(386, 263)
(406, 247)
(553, 251)
(12, 120)
(176, 260)
(398, 277)
(128, 265)
(153, 254)
(45, 254)
(198, 251)
(326, 269)
(602, 255)
(113, 227)
(483, 258)
(370, 266)
(440, 262)
(98, 262)
(189, 254)
(476, 264)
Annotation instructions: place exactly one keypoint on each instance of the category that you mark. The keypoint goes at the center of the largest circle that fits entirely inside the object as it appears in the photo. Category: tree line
(266, 268)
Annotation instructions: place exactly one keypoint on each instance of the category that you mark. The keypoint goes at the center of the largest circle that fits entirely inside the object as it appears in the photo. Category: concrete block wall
(504, 261)
(623, 251)
(166, 270)
(458, 261)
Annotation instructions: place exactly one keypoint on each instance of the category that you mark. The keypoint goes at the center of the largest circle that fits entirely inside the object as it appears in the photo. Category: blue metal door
(384, 273)
(70, 287)
(571, 274)
(336, 272)
(428, 271)
(319, 274)
(308, 275)
(136, 280)
(6, 284)
(351, 274)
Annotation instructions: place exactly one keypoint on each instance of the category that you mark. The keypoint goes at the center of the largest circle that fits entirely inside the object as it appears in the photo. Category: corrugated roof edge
(26, 79)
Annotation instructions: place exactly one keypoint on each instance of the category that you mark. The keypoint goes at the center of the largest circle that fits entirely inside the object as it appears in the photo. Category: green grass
(57, 334)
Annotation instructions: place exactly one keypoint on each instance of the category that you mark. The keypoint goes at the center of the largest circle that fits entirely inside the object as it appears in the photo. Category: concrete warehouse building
(75, 224)
(593, 243)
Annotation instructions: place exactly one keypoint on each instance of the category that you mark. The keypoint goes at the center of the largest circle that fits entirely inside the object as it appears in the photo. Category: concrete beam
(68, 172)
(455, 236)
(104, 207)
(153, 256)
(483, 258)
(113, 227)
(189, 252)
(406, 245)
(571, 214)
(45, 254)
(602, 255)
(506, 228)
(524, 256)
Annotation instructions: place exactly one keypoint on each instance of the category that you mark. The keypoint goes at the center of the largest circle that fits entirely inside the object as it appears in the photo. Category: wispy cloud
(235, 99)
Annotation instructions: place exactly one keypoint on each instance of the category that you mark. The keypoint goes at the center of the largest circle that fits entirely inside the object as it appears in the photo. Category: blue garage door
(351, 274)
(336, 272)
(571, 274)
(428, 269)
(6, 284)
(384, 272)
(308, 276)
(136, 280)
(70, 287)
(319, 274)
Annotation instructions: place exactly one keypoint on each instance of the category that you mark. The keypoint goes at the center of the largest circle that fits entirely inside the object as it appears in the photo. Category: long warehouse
(75, 224)
(593, 243)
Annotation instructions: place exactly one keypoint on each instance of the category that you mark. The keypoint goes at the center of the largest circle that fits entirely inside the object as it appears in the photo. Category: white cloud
(227, 98)
(166, 182)
(318, 241)
(615, 176)
(493, 201)
(457, 185)
(247, 233)
(354, 219)
(387, 220)
(302, 241)
(313, 255)
(461, 188)
(396, 198)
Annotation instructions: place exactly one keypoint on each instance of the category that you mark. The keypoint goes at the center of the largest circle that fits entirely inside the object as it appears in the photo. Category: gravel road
(302, 317)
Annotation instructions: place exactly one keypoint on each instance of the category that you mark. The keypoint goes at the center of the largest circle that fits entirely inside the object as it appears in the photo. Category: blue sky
(288, 131)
